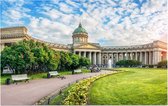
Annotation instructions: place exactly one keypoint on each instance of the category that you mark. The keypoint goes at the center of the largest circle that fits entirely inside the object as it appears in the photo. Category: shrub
(162, 64)
(128, 63)
(151, 66)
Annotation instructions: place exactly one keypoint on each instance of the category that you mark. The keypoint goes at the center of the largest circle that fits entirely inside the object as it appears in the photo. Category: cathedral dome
(80, 30)
(80, 35)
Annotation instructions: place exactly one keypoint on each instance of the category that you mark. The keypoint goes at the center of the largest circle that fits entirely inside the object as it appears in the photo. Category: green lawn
(135, 86)
(40, 75)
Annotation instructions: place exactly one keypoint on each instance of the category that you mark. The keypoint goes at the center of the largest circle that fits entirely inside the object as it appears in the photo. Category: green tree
(84, 61)
(17, 57)
(53, 60)
(75, 61)
(29, 57)
(65, 61)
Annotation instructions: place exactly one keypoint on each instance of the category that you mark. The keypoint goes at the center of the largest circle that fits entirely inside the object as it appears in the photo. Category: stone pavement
(29, 93)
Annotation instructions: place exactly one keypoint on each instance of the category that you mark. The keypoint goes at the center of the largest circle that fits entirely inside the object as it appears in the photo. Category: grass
(39, 75)
(134, 86)
(4, 77)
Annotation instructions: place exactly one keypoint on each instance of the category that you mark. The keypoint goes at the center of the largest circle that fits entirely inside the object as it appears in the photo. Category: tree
(18, 57)
(53, 60)
(84, 61)
(75, 61)
(65, 61)
(29, 57)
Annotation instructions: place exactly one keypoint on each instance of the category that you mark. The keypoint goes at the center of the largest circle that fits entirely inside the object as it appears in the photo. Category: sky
(108, 22)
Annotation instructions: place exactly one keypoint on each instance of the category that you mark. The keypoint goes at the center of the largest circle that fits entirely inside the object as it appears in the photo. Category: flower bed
(78, 94)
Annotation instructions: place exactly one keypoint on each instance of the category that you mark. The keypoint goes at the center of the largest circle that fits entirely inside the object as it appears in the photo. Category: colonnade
(146, 57)
(94, 56)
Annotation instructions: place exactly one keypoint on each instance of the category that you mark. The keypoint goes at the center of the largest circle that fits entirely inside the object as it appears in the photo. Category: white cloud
(65, 8)
(48, 30)
(99, 18)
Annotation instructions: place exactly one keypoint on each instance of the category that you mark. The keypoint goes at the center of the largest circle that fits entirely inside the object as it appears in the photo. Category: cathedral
(148, 54)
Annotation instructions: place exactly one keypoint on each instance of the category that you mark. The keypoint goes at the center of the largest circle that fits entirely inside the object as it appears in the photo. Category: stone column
(94, 58)
(131, 55)
(79, 53)
(116, 56)
(136, 56)
(154, 55)
(150, 60)
(140, 57)
(148, 57)
(145, 61)
(157, 57)
(99, 58)
(126, 56)
(122, 56)
(112, 58)
(90, 56)
(119, 56)
(84, 54)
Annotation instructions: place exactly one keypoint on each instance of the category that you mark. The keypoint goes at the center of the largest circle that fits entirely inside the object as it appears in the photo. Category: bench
(55, 73)
(78, 71)
(20, 77)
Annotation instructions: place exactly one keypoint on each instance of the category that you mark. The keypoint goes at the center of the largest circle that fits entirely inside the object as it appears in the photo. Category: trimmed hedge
(128, 63)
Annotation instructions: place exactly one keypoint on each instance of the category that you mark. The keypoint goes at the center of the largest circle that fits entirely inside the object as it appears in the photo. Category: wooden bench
(78, 71)
(55, 73)
(20, 77)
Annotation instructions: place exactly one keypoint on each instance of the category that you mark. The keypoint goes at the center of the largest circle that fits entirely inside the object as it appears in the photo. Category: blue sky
(108, 22)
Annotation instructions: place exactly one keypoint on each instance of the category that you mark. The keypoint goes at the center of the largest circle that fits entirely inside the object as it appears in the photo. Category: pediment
(87, 46)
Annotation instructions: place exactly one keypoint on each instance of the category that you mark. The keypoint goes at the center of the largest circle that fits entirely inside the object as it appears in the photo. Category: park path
(30, 93)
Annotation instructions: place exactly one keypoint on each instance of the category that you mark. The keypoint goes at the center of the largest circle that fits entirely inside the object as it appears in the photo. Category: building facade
(149, 54)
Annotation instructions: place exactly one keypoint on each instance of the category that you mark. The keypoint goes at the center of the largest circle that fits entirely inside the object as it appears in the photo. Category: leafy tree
(17, 57)
(53, 60)
(84, 61)
(75, 61)
(65, 61)
(29, 57)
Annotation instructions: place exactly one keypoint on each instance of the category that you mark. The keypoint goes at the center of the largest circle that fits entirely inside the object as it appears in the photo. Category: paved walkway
(30, 93)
